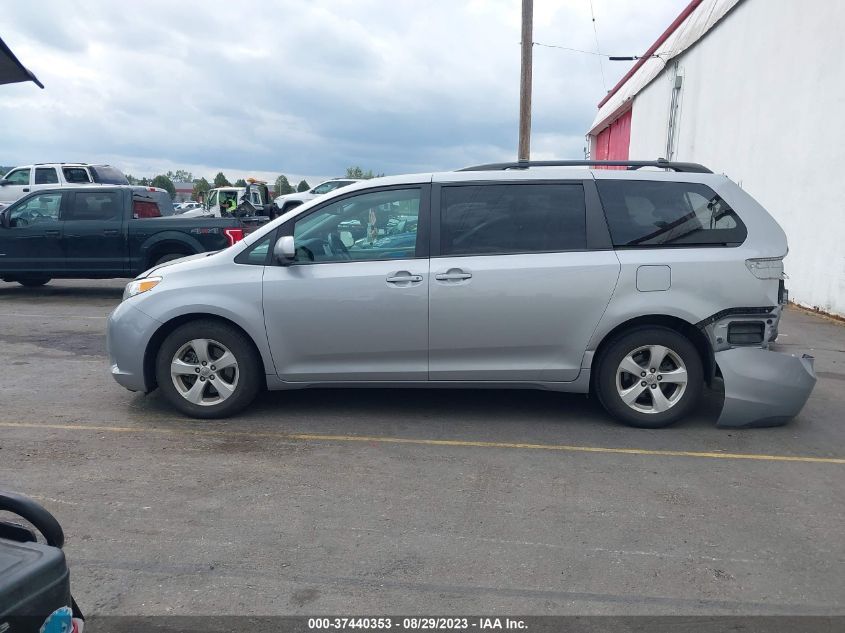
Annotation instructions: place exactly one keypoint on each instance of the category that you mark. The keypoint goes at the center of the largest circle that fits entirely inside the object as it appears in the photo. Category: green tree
(240, 182)
(221, 181)
(357, 172)
(132, 180)
(283, 186)
(180, 175)
(201, 187)
(303, 186)
(163, 182)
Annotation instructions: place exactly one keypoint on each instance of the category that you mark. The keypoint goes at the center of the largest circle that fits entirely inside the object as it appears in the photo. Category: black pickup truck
(100, 232)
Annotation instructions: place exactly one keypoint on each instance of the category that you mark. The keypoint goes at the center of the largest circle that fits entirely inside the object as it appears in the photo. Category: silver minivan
(640, 285)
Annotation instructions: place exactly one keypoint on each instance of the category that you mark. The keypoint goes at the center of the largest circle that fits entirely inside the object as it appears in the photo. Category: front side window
(370, 226)
(95, 205)
(18, 177)
(648, 214)
(513, 218)
(76, 175)
(46, 176)
(38, 209)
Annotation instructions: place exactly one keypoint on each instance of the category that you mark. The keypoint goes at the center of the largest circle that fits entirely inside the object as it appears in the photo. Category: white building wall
(763, 101)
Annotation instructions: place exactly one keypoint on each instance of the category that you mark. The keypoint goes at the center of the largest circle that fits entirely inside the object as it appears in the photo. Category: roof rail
(662, 163)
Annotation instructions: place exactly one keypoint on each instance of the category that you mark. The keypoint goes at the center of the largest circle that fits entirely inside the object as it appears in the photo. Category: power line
(596, 33)
(566, 48)
(613, 58)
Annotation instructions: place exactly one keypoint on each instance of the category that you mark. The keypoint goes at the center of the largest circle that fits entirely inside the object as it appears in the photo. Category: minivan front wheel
(208, 369)
(650, 377)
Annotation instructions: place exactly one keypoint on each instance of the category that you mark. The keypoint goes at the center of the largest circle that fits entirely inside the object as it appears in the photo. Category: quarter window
(76, 175)
(370, 226)
(257, 254)
(503, 219)
(648, 214)
(46, 176)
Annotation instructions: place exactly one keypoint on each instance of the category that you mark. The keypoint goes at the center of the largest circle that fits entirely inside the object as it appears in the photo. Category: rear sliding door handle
(453, 276)
(52, 233)
(398, 279)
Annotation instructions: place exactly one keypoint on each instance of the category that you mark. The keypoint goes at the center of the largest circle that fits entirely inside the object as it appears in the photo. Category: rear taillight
(234, 235)
(145, 209)
(766, 267)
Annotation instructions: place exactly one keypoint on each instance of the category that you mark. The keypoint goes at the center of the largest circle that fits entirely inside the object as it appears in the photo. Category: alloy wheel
(204, 372)
(651, 379)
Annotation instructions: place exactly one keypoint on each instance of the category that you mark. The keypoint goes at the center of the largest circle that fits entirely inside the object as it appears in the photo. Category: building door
(614, 141)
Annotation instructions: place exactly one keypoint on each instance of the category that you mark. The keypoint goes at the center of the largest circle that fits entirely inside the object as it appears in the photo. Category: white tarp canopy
(701, 20)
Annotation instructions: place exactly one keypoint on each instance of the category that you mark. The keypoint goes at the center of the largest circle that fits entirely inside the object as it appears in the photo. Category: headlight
(139, 286)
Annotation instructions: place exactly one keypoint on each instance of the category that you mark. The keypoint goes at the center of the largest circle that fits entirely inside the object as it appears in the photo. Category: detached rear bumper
(763, 388)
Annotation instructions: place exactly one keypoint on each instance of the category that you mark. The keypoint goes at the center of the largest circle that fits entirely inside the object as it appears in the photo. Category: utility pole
(525, 80)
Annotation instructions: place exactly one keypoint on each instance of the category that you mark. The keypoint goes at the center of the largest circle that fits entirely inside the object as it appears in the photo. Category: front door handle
(110, 231)
(453, 275)
(403, 277)
(52, 233)
(25, 190)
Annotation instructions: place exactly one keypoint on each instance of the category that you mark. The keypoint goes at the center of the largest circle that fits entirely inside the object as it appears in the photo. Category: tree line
(202, 185)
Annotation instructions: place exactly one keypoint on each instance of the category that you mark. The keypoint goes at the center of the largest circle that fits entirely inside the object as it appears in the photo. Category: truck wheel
(208, 369)
(649, 377)
(34, 282)
(168, 258)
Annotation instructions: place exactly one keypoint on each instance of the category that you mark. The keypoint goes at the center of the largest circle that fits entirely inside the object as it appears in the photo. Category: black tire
(250, 372)
(608, 364)
(34, 282)
(168, 258)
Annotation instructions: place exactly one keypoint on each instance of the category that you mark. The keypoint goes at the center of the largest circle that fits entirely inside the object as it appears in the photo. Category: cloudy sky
(306, 88)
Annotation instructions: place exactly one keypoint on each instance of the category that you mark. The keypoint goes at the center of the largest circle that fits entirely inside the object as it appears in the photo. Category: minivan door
(350, 308)
(515, 292)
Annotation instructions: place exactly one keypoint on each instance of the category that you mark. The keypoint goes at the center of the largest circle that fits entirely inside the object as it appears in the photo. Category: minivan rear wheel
(208, 369)
(650, 377)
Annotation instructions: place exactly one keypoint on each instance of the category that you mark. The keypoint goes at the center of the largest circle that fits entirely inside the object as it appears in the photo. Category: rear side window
(645, 213)
(95, 205)
(76, 175)
(46, 176)
(502, 219)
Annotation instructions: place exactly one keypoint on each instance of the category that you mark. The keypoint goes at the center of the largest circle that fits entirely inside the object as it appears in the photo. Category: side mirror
(3, 182)
(6, 218)
(285, 250)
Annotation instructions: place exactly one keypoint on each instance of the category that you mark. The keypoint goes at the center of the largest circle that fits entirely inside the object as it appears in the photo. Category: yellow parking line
(314, 437)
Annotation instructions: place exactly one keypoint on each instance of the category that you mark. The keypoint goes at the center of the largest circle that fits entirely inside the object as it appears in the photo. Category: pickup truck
(100, 232)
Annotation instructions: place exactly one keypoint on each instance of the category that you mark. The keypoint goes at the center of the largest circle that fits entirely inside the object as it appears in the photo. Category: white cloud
(261, 88)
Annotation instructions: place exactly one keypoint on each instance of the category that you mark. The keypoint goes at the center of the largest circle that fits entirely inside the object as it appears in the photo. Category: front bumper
(127, 336)
(762, 387)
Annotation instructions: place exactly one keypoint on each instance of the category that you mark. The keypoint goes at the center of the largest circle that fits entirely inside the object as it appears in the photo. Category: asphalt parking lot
(414, 501)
